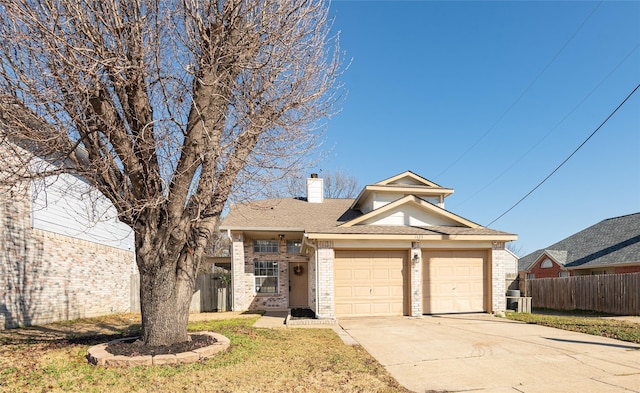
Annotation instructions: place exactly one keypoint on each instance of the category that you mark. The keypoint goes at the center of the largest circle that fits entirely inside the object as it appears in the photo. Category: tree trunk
(166, 289)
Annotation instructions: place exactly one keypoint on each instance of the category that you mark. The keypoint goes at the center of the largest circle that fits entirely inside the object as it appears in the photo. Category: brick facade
(627, 269)
(47, 277)
(546, 272)
(321, 300)
(416, 280)
(326, 292)
(499, 256)
(244, 294)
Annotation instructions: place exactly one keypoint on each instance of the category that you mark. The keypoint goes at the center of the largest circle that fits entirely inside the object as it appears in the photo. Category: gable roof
(326, 219)
(406, 182)
(407, 217)
(412, 199)
(407, 177)
(613, 241)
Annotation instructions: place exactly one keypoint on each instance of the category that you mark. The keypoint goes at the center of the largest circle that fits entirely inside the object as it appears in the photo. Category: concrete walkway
(480, 352)
(277, 319)
(272, 320)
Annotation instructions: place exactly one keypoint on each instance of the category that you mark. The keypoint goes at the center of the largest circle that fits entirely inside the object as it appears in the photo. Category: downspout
(306, 241)
(233, 300)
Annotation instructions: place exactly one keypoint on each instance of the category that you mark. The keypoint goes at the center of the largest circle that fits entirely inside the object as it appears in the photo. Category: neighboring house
(393, 250)
(510, 263)
(611, 246)
(63, 252)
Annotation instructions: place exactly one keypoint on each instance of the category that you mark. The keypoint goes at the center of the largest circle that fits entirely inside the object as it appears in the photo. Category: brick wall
(46, 277)
(326, 293)
(546, 272)
(499, 257)
(244, 295)
(416, 281)
(627, 269)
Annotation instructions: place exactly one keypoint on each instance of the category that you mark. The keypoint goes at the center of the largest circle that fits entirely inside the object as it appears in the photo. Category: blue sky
(488, 98)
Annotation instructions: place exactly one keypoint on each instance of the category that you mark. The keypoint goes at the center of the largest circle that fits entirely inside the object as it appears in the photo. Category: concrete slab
(479, 352)
(272, 320)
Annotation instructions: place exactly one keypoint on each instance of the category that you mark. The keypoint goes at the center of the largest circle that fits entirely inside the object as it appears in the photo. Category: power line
(487, 185)
(571, 155)
(521, 94)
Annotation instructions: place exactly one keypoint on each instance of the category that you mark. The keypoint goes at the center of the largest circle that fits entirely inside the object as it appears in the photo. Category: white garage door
(369, 283)
(454, 281)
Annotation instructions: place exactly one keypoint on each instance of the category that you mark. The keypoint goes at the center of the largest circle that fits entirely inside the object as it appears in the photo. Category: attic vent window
(546, 263)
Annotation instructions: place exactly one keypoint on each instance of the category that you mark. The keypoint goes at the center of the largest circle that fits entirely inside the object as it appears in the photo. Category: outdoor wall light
(281, 236)
(415, 258)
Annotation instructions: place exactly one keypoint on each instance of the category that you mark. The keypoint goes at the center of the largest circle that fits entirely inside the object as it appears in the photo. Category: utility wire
(521, 94)
(487, 185)
(571, 155)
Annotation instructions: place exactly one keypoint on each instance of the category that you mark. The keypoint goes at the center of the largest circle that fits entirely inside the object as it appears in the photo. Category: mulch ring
(134, 347)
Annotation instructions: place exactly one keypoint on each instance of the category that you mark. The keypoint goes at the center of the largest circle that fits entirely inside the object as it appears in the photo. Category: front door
(298, 285)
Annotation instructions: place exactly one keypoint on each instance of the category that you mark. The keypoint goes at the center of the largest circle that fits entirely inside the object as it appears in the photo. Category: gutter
(305, 240)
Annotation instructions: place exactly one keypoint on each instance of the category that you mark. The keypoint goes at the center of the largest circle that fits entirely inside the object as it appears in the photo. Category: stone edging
(98, 355)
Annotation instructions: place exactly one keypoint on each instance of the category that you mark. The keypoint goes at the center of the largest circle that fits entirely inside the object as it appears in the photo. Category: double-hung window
(294, 246)
(265, 246)
(266, 276)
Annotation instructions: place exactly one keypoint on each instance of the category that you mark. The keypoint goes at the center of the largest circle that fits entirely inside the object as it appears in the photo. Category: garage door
(454, 281)
(369, 283)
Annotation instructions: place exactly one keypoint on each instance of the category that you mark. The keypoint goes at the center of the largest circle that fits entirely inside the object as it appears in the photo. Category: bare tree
(515, 248)
(167, 108)
(337, 184)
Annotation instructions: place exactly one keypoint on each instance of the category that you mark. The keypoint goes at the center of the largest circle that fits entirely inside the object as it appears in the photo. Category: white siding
(408, 180)
(379, 199)
(68, 206)
(409, 215)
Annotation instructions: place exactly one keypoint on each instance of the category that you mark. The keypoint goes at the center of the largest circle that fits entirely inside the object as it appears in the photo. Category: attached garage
(370, 283)
(454, 281)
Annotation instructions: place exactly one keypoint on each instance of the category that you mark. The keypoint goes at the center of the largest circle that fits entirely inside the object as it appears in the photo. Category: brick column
(325, 291)
(238, 276)
(416, 279)
(498, 290)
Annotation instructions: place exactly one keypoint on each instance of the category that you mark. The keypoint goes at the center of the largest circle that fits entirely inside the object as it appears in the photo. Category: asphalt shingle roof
(611, 241)
(325, 217)
(290, 213)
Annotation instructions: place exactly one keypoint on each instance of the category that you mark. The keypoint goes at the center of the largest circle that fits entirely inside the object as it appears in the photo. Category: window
(265, 246)
(531, 276)
(266, 275)
(546, 263)
(294, 246)
(564, 274)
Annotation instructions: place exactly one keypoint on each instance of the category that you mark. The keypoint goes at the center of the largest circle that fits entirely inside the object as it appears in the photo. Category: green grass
(51, 359)
(584, 322)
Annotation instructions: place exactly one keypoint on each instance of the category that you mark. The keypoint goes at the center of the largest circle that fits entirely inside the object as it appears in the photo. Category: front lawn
(584, 323)
(50, 358)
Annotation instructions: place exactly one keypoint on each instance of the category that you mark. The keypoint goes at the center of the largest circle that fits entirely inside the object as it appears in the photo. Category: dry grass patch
(584, 323)
(51, 359)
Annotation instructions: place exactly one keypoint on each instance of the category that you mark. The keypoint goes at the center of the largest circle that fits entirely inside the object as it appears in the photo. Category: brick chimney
(315, 189)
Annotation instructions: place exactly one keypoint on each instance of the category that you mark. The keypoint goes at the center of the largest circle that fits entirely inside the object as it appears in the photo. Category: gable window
(266, 276)
(546, 263)
(294, 246)
(265, 246)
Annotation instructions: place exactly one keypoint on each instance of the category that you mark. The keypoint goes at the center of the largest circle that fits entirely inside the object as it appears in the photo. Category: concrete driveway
(480, 352)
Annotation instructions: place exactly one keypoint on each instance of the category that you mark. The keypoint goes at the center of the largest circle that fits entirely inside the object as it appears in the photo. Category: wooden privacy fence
(212, 294)
(610, 293)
